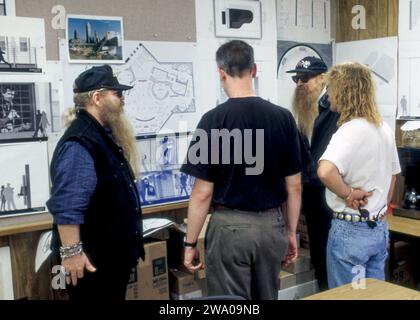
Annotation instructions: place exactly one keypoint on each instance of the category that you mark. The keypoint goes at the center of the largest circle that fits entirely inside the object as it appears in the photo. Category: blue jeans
(354, 250)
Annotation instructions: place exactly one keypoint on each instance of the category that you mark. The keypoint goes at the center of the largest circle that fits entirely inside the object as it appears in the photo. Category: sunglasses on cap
(304, 78)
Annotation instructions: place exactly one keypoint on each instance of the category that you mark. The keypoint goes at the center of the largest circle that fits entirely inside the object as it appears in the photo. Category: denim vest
(113, 222)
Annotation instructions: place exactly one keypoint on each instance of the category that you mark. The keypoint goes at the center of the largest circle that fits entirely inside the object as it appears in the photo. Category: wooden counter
(405, 226)
(375, 290)
(43, 221)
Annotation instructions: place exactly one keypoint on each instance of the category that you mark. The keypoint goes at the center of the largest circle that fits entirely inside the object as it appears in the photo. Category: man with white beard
(316, 124)
(94, 199)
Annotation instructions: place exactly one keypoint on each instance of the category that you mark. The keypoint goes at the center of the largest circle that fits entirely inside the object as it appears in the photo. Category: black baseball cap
(95, 78)
(310, 65)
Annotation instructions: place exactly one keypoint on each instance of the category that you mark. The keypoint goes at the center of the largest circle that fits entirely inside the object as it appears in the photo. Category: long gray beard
(123, 134)
(305, 110)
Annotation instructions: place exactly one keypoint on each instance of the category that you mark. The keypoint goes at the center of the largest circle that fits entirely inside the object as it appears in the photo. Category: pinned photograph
(22, 45)
(25, 111)
(93, 39)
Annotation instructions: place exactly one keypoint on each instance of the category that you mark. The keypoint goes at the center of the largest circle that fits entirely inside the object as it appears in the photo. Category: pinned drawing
(23, 178)
(237, 18)
(160, 90)
(409, 20)
(304, 20)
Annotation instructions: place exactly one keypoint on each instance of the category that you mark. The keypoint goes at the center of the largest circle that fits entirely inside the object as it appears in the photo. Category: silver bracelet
(71, 251)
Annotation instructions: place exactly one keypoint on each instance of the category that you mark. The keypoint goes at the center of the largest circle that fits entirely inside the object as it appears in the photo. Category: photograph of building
(95, 39)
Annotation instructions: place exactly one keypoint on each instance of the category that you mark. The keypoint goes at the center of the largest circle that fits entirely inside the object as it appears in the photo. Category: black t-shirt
(275, 138)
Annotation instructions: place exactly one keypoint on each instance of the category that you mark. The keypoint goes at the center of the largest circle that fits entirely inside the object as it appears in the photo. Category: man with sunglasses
(97, 229)
(316, 123)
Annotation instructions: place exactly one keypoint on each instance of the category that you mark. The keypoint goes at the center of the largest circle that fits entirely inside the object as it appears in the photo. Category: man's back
(254, 178)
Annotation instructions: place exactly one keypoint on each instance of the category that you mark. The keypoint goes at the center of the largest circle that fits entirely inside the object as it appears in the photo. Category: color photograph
(95, 39)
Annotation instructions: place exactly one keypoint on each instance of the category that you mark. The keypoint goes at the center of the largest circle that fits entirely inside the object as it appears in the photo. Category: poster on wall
(161, 181)
(24, 178)
(163, 78)
(409, 20)
(25, 111)
(94, 39)
(409, 79)
(304, 21)
(381, 57)
(22, 45)
(289, 54)
(237, 18)
(6, 277)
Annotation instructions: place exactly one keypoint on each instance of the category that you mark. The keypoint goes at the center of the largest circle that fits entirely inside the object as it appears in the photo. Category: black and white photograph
(93, 39)
(23, 178)
(22, 48)
(146, 186)
(25, 111)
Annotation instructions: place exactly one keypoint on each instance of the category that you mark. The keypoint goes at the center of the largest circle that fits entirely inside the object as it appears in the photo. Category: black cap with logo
(310, 65)
(95, 78)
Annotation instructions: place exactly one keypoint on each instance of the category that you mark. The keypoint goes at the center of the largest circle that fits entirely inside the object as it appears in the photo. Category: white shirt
(366, 157)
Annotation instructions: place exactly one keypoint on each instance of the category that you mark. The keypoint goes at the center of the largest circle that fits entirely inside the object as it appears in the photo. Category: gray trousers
(244, 251)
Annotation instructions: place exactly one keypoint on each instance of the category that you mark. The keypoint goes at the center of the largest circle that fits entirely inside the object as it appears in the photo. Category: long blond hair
(351, 87)
(81, 100)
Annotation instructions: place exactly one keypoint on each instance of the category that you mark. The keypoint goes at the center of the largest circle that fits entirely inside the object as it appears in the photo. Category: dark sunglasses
(119, 93)
(303, 78)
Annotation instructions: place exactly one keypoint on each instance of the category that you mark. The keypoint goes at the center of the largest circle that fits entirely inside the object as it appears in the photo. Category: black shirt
(324, 127)
(280, 156)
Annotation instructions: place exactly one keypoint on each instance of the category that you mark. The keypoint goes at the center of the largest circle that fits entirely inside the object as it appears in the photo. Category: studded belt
(356, 217)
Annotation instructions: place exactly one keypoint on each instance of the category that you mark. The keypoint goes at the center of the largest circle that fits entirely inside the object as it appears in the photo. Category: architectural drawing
(23, 178)
(159, 90)
(237, 18)
(304, 20)
(409, 79)
(409, 20)
(381, 56)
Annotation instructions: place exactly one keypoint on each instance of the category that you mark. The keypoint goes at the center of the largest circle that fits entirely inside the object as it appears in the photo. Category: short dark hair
(235, 57)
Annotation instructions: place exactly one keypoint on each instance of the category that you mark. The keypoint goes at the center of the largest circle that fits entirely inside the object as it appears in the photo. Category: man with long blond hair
(316, 123)
(359, 169)
(94, 199)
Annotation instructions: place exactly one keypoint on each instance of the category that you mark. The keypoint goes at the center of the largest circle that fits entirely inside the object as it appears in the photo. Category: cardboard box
(203, 286)
(149, 281)
(299, 292)
(176, 249)
(287, 280)
(302, 264)
(184, 285)
(403, 274)
(304, 277)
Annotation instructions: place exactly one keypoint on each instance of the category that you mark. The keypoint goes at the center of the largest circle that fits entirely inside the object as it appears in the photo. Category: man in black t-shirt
(316, 123)
(245, 156)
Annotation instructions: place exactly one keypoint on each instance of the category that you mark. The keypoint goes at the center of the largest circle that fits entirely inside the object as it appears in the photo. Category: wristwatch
(189, 244)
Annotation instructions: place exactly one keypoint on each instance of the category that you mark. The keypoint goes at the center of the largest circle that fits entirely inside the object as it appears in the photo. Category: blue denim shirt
(73, 184)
